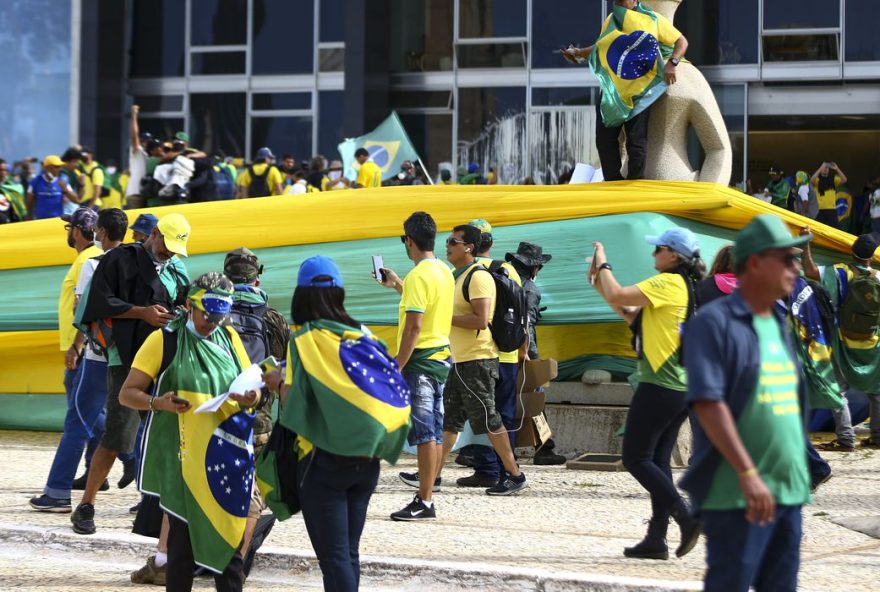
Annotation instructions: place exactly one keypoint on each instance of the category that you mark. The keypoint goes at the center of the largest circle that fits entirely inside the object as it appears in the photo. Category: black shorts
(121, 428)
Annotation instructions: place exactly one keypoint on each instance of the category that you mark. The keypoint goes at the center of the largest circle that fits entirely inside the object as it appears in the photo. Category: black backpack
(509, 323)
(249, 321)
(259, 186)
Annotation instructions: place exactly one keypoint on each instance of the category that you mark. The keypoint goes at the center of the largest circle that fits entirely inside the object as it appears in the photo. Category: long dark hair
(310, 304)
(825, 182)
(723, 261)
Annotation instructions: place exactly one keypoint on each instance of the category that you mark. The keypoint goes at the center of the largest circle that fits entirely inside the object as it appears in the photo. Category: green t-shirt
(771, 429)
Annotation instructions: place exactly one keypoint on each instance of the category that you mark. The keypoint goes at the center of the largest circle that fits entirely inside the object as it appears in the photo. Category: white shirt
(137, 167)
(875, 204)
(300, 186)
(804, 193)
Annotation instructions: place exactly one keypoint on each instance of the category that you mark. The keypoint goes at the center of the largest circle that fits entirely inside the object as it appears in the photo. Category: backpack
(249, 321)
(224, 186)
(859, 316)
(108, 182)
(149, 187)
(509, 323)
(259, 186)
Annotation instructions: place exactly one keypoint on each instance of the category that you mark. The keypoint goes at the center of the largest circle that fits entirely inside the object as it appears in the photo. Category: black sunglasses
(454, 241)
(787, 258)
(403, 238)
(660, 248)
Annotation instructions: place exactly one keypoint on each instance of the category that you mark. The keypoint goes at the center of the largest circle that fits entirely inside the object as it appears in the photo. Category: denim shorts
(470, 396)
(426, 400)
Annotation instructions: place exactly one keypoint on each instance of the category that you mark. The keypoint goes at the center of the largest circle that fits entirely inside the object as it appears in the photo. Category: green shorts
(122, 422)
(469, 395)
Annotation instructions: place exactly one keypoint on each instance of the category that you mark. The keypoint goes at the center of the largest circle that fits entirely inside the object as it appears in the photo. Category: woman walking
(656, 309)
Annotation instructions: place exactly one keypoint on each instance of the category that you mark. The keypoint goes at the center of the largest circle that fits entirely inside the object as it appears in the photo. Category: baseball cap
(82, 218)
(317, 267)
(242, 266)
(483, 225)
(681, 240)
(763, 233)
(145, 136)
(182, 136)
(53, 160)
(864, 247)
(145, 223)
(175, 230)
(775, 170)
(473, 167)
(263, 153)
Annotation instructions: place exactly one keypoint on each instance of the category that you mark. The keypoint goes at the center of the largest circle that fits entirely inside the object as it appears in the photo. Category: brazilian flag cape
(813, 347)
(858, 360)
(347, 396)
(201, 465)
(628, 61)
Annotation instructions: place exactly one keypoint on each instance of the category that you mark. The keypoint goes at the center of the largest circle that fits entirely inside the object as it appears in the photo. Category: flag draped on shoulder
(201, 465)
(347, 395)
(628, 60)
(388, 145)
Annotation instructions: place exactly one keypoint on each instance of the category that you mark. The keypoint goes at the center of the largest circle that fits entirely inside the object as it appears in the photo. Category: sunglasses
(454, 241)
(660, 249)
(787, 258)
(403, 238)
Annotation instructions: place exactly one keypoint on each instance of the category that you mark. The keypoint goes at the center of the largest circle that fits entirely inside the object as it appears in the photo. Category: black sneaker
(45, 503)
(127, 474)
(546, 456)
(135, 508)
(83, 519)
(412, 479)
(79, 484)
(476, 480)
(415, 510)
(508, 485)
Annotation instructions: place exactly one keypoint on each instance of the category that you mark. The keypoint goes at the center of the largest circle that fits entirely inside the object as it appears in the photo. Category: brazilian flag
(628, 61)
(347, 396)
(201, 465)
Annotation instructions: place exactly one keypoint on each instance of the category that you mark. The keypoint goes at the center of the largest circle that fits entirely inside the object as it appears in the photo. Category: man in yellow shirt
(469, 393)
(93, 179)
(424, 323)
(369, 175)
(261, 178)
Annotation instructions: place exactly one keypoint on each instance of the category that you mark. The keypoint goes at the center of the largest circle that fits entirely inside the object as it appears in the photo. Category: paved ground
(569, 527)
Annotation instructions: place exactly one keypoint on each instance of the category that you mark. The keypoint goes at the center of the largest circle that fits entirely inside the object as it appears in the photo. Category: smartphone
(589, 262)
(377, 268)
(178, 401)
(270, 364)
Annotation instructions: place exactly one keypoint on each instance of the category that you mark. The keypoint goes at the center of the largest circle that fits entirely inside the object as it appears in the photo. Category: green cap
(182, 136)
(763, 233)
(242, 266)
(484, 226)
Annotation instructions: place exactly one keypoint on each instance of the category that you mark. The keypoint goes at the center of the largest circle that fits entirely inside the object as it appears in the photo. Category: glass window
(157, 43)
(284, 135)
(159, 103)
(558, 23)
(801, 14)
(283, 37)
(562, 96)
(421, 99)
(862, 42)
(492, 55)
(492, 18)
(332, 20)
(331, 114)
(224, 62)
(720, 31)
(217, 122)
(218, 22)
(491, 130)
(331, 59)
(272, 101)
(800, 48)
(432, 137)
(421, 35)
(162, 129)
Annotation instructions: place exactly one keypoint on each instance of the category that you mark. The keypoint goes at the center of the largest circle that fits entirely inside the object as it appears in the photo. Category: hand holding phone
(379, 269)
(591, 266)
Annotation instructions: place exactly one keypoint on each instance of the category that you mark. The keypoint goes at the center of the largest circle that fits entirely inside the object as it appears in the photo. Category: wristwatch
(607, 266)
(674, 61)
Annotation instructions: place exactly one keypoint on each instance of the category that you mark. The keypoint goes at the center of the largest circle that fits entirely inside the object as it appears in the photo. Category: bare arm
(155, 315)
(616, 295)
(29, 201)
(134, 129)
(478, 319)
(412, 328)
(811, 270)
(680, 48)
(843, 177)
(135, 396)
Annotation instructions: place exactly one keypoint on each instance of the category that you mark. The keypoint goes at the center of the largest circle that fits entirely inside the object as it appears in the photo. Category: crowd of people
(743, 349)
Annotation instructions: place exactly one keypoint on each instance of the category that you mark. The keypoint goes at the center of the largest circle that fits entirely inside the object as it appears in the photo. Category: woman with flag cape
(199, 465)
(347, 401)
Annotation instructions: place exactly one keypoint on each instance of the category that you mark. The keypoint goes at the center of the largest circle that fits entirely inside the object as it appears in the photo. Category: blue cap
(317, 266)
(473, 167)
(145, 223)
(263, 154)
(681, 240)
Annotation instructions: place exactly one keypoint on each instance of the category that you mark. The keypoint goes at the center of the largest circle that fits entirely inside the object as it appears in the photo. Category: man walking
(369, 175)
(749, 474)
(424, 323)
(470, 388)
(133, 286)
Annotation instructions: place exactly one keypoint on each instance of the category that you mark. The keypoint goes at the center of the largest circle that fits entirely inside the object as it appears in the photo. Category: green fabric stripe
(44, 413)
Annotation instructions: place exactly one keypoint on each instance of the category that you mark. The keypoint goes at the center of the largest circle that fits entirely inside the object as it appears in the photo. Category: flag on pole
(628, 60)
(388, 146)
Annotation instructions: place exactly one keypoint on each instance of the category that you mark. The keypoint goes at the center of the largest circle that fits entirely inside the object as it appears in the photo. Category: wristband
(748, 473)
(152, 409)
(605, 265)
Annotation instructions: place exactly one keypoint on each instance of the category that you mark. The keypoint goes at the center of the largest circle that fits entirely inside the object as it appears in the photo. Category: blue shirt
(48, 197)
(722, 359)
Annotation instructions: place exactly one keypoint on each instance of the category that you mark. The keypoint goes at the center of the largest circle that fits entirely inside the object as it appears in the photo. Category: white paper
(250, 379)
(586, 173)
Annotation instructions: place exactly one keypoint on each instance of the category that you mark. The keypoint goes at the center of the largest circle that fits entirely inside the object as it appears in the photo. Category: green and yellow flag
(201, 465)
(628, 60)
(347, 396)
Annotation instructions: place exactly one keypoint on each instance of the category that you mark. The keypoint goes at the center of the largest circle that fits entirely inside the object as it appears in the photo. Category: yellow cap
(175, 230)
(52, 160)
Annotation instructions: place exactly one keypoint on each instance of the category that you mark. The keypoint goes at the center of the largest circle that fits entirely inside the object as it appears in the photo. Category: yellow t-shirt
(661, 330)
(469, 344)
(274, 178)
(513, 356)
(370, 175)
(92, 177)
(148, 358)
(667, 34)
(66, 330)
(428, 289)
(827, 201)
